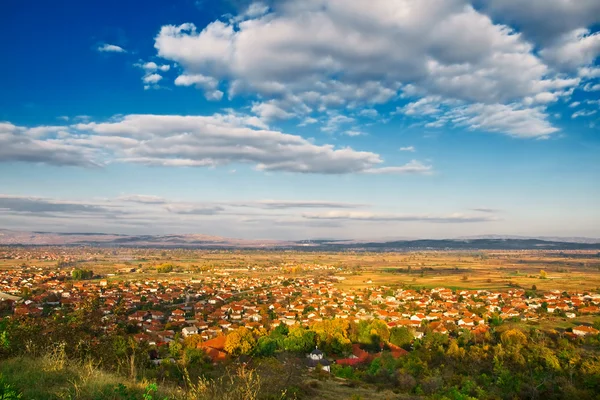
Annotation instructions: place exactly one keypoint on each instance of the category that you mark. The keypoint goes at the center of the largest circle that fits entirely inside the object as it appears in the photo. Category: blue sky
(293, 120)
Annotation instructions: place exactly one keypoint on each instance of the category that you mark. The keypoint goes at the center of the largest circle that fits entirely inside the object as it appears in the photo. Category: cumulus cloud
(152, 78)
(189, 141)
(408, 148)
(16, 145)
(545, 21)
(573, 50)
(270, 111)
(110, 48)
(361, 54)
(589, 73)
(151, 66)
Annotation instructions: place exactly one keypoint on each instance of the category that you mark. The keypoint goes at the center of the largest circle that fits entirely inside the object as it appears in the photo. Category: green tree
(401, 336)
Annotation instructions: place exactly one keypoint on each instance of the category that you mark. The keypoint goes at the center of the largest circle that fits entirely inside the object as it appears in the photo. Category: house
(215, 348)
(189, 330)
(583, 330)
(315, 358)
(177, 316)
(359, 356)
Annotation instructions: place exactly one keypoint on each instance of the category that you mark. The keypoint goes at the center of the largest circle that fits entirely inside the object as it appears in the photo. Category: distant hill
(11, 237)
(19, 238)
(575, 239)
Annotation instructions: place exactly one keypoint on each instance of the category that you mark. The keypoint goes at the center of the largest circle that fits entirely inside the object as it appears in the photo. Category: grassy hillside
(46, 378)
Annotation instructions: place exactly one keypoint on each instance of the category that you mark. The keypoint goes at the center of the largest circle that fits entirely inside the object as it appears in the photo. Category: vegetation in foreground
(65, 361)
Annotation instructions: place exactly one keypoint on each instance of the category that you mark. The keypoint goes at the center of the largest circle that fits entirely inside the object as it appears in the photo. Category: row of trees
(80, 274)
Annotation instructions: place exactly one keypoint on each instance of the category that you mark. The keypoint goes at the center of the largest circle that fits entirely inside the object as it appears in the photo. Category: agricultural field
(493, 270)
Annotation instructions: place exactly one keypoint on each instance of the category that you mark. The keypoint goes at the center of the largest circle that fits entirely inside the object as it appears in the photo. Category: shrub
(8, 392)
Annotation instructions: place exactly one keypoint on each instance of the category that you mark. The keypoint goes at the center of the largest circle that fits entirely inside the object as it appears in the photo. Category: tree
(175, 349)
(240, 341)
(266, 347)
(401, 336)
(543, 274)
(165, 268)
(192, 341)
(299, 340)
(80, 274)
(513, 337)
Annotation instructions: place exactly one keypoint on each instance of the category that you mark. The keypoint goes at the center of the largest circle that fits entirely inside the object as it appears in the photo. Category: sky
(284, 119)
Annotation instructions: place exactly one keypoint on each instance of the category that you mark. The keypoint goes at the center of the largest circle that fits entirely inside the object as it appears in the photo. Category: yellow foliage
(454, 350)
(513, 337)
(240, 341)
(192, 341)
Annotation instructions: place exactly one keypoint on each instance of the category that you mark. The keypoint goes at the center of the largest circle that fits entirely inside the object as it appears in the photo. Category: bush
(165, 268)
(8, 392)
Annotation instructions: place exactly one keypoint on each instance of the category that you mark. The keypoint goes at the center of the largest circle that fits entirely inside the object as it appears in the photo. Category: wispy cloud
(485, 210)
(375, 217)
(111, 48)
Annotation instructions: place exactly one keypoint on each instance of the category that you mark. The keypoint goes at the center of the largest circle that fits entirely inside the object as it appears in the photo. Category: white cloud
(369, 113)
(151, 66)
(270, 111)
(574, 104)
(512, 119)
(188, 141)
(17, 144)
(589, 73)
(111, 48)
(199, 80)
(362, 53)
(308, 121)
(545, 21)
(143, 199)
(284, 204)
(378, 217)
(152, 78)
(408, 148)
(413, 167)
(575, 49)
(354, 132)
(426, 106)
(335, 121)
(583, 113)
(207, 83)
(589, 87)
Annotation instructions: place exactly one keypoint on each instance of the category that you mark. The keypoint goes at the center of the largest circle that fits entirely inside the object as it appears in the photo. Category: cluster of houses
(212, 306)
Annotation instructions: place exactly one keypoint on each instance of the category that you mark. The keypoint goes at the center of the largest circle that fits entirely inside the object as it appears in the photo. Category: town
(300, 324)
